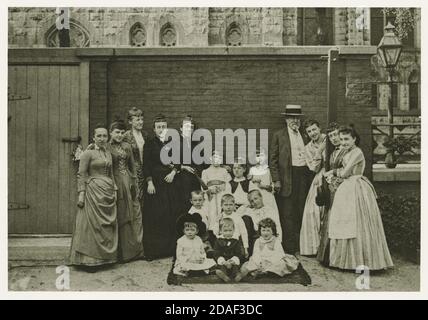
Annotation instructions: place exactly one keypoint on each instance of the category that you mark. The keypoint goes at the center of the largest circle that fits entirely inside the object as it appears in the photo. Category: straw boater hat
(293, 110)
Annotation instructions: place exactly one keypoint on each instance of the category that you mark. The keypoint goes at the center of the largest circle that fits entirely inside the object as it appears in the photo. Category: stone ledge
(403, 172)
(33, 251)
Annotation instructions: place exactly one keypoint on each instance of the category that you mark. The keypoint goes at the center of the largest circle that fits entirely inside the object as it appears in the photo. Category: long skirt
(310, 231)
(95, 238)
(160, 214)
(369, 248)
(129, 219)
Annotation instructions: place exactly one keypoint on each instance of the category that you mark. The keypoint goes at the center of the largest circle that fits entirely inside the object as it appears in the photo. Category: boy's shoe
(222, 276)
(239, 277)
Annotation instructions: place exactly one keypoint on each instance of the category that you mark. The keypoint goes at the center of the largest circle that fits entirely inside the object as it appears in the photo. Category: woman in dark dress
(189, 172)
(128, 206)
(160, 202)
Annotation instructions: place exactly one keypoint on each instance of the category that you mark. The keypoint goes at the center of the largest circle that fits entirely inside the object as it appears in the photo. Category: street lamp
(389, 50)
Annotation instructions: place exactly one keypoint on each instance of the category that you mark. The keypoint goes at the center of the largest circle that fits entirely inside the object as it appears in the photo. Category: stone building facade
(203, 27)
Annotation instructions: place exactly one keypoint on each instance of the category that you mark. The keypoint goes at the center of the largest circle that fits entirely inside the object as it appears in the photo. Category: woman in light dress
(356, 232)
(314, 154)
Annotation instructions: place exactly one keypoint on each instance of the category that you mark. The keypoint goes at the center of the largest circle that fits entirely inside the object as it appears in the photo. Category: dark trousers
(291, 208)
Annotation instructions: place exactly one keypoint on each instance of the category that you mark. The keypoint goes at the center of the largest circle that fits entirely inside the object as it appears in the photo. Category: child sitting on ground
(199, 208)
(190, 252)
(228, 211)
(197, 199)
(258, 211)
(268, 254)
(261, 179)
(228, 251)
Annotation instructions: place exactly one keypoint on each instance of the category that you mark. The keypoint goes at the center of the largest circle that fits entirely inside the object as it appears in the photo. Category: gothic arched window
(137, 35)
(233, 35)
(168, 35)
(76, 36)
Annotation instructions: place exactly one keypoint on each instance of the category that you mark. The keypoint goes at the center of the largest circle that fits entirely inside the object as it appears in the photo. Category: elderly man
(291, 176)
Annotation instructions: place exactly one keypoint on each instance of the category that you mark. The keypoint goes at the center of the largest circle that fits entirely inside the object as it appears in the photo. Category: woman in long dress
(95, 238)
(137, 137)
(355, 229)
(314, 154)
(160, 202)
(128, 206)
(188, 177)
(335, 162)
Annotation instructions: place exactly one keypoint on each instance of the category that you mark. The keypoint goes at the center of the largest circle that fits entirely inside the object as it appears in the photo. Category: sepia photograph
(214, 149)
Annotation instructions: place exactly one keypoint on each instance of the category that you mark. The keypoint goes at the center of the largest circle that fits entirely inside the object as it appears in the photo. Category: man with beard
(291, 176)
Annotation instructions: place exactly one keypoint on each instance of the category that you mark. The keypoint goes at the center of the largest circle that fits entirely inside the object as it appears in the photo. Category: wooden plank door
(41, 173)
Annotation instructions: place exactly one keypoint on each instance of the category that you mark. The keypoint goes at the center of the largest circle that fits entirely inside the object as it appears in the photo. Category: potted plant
(398, 145)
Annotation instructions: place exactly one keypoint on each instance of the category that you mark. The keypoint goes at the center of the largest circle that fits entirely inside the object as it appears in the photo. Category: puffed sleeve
(227, 176)
(111, 175)
(242, 231)
(355, 160)
(83, 173)
(131, 161)
(279, 251)
(274, 158)
(202, 252)
(256, 256)
(180, 252)
(313, 158)
(204, 176)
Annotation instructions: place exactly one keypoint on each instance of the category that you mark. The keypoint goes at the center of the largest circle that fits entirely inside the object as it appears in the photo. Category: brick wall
(98, 94)
(232, 93)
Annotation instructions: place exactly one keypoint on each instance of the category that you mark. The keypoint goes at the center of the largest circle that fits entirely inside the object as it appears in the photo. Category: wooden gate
(47, 112)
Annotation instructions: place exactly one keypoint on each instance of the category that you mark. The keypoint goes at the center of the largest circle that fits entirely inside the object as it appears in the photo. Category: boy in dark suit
(228, 251)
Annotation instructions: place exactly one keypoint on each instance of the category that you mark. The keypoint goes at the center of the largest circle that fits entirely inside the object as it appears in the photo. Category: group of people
(310, 198)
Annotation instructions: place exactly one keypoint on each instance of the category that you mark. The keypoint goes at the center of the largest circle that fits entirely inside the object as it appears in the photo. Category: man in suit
(291, 176)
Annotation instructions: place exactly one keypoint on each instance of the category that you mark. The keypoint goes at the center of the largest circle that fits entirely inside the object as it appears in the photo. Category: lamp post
(389, 50)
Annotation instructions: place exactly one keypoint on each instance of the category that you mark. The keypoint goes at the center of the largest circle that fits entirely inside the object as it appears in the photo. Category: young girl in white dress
(217, 180)
(355, 226)
(268, 255)
(190, 251)
(261, 179)
(258, 211)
